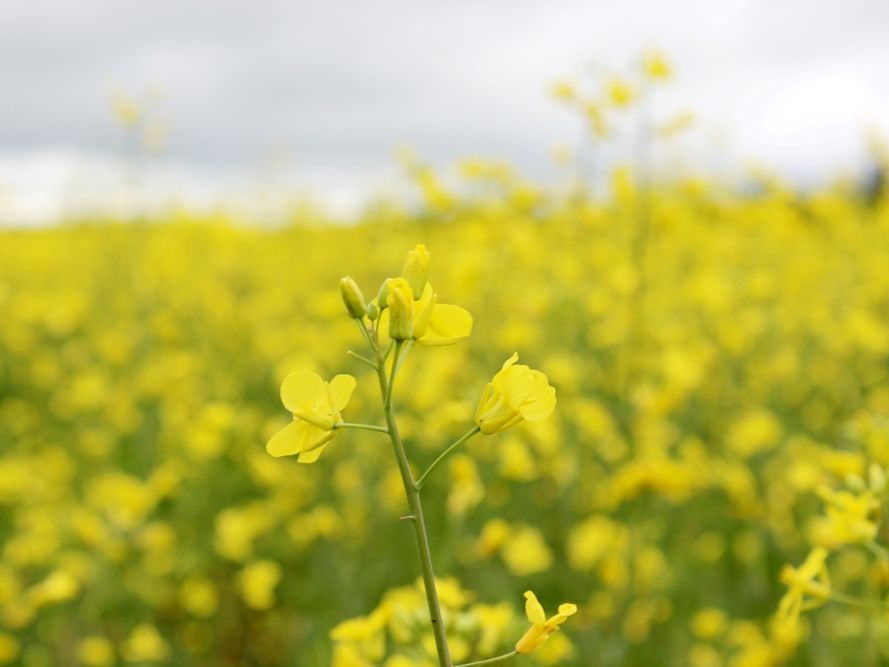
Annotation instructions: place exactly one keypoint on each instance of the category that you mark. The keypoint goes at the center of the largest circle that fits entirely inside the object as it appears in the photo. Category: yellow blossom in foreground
(515, 393)
(810, 579)
(416, 269)
(541, 626)
(425, 320)
(316, 407)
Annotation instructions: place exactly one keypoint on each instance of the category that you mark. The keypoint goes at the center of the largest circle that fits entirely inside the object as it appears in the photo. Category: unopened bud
(383, 295)
(353, 298)
(373, 310)
(401, 310)
(416, 269)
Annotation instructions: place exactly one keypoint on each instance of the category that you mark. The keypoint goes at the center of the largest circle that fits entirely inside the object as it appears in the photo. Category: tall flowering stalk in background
(404, 314)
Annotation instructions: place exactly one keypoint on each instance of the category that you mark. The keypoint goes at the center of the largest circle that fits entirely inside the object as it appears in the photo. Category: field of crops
(721, 363)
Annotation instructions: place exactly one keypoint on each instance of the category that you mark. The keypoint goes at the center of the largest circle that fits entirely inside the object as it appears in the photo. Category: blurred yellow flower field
(722, 369)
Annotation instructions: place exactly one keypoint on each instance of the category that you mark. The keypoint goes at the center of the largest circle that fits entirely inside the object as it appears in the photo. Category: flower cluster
(406, 311)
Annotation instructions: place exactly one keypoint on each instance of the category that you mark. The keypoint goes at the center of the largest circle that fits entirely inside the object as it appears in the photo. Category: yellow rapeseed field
(722, 368)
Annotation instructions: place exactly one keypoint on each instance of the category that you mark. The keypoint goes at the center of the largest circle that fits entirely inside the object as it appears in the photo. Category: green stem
(445, 454)
(364, 427)
(395, 366)
(416, 514)
(850, 601)
(366, 335)
(489, 661)
(360, 357)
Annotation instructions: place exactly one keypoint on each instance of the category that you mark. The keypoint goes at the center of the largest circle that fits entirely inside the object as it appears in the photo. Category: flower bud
(401, 310)
(373, 310)
(353, 298)
(416, 269)
(383, 295)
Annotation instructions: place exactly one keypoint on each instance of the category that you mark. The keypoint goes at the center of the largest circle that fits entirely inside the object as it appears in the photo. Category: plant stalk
(416, 511)
(445, 454)
(490, 661)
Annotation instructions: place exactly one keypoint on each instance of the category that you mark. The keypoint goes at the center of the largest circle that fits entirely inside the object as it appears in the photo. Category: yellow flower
(416, 269)
(428, 322)
(400, 302)
(199, 597)
(145, 644)
(257, 583)
(851, 518)
(525, 551)
(515, 393)
(810, 579)
(316, 407)
(360, 641)
(564, 91)
(620, 93)
(655, 66)
(541, 626)
(95, 651)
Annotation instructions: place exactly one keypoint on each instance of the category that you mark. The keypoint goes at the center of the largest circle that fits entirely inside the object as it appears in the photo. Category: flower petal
(383, 328)
(303, 391)
(341, 388)
(290, 439)
(517, 383)
(446, 324)
(509, 362)
(312, 455)
(567, 609)
(533, 609)
(540, 405)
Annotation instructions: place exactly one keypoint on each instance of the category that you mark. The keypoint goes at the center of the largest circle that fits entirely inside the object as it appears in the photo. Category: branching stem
(370, 363)
(489, 661)
(363, 427)
(466, 436)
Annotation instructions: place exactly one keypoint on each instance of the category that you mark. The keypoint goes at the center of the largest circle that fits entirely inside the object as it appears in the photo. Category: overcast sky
(336, 86)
